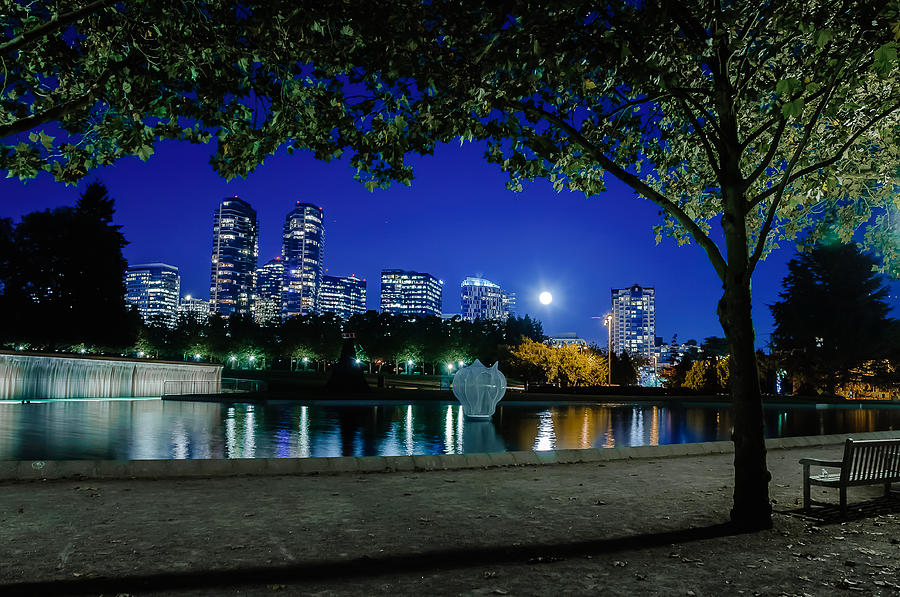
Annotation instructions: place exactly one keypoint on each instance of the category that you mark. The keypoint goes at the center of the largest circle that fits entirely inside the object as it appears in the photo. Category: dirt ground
(638, 527)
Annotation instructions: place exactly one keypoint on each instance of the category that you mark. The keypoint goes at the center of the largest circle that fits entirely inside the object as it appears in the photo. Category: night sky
(456, 220)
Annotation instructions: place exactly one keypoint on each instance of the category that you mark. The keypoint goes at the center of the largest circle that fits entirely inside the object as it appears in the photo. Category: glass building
(509, 303)
(410, 293)
(343, 296)
(154, 289)
(480, 299)
(234, 256)
(634, 320)
(193, 308)
(303, 248)
(269, 281)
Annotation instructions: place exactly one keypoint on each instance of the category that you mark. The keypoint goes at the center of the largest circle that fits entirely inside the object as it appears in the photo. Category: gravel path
(636, 527)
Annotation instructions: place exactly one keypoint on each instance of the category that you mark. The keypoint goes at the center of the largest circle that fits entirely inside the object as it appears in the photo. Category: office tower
(235, 250)
(154, 289)
(480, 299)
(509, 303)
(342, 296)
(193, 308)
(303, 251)
(634, 320)
(269, 284)
(410, 293)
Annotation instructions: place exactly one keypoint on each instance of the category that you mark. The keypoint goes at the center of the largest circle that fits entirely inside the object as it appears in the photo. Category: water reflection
(142, 429)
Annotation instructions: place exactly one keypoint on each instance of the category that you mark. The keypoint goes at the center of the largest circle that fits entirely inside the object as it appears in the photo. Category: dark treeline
(62, 278)
(383, 341)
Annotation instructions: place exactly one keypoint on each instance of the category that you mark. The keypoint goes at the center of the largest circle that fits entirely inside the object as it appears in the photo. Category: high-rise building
(480, 299)
(509, 303)
(193, 308)
(234, 255)
(303, 249)
(269, 285)
(410, 293)
(634, 320)
(154, 289)
(342, 296)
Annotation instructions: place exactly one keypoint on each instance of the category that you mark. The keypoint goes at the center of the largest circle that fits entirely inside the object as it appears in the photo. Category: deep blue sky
(456, 220)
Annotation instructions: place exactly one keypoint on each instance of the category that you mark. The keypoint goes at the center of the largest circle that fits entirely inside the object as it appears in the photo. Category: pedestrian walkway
(651, 525)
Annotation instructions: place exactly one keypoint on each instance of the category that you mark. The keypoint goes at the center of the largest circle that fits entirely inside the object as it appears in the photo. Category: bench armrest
(818, 462)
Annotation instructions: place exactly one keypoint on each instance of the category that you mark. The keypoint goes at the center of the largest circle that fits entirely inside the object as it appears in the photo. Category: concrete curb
(27, 470)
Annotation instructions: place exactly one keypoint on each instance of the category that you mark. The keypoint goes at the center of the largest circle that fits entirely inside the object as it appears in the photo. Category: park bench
(866, 462)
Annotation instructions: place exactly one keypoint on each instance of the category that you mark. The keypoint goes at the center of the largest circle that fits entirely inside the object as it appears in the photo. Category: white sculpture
(479, 389)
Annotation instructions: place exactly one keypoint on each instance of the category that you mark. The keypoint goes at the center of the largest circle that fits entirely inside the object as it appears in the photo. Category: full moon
(545, 298)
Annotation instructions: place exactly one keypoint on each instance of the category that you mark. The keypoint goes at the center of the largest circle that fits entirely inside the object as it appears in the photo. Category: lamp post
(607, 321)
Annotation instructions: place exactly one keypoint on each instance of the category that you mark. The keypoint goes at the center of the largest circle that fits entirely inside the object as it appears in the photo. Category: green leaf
(823, 37)
(787, 86)
(46, 140)
(145, 152)
(793, 109)
(885, 57)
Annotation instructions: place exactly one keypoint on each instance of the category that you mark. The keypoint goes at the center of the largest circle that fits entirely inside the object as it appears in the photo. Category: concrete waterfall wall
(44, 376)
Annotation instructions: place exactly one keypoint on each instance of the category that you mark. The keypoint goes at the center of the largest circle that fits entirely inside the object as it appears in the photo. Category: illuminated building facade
(234, 256)
(410, 293)
(343, 296)
(154, 289)
(480, 299)
(634, 320)
(303, 249)
(193, 308)
(268, 292)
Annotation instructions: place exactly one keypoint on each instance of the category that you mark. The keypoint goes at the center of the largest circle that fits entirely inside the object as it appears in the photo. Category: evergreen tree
(832, 316)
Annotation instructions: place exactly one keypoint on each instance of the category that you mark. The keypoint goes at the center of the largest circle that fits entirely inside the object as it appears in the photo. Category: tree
(832, 316)
(781, 118)
(64, 277)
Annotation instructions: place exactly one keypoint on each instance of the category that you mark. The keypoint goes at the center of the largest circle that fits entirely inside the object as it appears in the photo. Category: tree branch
(712, 251)
(773, 147)
(26, 124)
(54, 24)
(807, 132)
(710, 154)
(828, 162)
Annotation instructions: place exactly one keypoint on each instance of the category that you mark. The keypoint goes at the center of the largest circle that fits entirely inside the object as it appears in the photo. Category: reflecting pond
(157, 429)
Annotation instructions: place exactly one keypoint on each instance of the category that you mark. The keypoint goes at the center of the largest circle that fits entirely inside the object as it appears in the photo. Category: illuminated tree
(748, 122)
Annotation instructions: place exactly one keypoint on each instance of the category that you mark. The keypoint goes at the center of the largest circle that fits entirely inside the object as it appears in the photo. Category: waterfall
(44, 376)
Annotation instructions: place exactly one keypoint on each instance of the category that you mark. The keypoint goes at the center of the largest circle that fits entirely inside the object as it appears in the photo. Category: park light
(409, 362)
(460, 363)
(449, 366)
(197, 356)
(140, 353)
(251, 358)
(232, 358)
(358, 361)
(20, 347)
(81, 350)
(305, 359)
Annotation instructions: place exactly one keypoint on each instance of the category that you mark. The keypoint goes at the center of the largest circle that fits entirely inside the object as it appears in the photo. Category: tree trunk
(751, 478)
(751, 507)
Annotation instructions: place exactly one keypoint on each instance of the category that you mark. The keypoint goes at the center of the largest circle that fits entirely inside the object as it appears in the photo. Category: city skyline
(452, 226)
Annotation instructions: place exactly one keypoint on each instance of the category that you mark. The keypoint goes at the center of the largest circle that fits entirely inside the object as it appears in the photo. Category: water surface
(157, 429)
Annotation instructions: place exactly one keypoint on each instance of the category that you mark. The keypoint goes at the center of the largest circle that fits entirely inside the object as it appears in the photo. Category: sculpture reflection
(481, 436)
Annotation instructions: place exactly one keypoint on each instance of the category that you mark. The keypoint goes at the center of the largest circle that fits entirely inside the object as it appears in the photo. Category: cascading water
(41, 376)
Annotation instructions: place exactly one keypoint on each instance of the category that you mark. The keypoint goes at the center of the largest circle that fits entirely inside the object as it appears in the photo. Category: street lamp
(607, 321)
